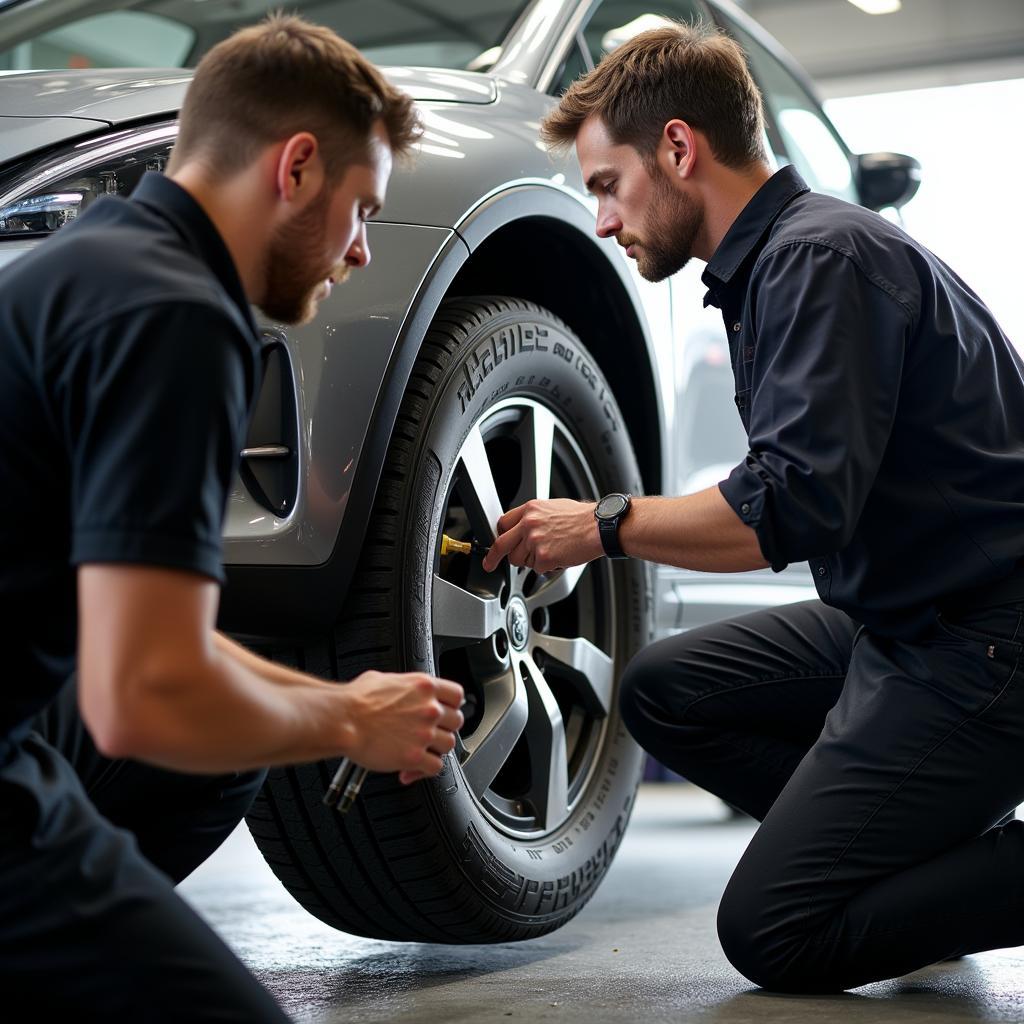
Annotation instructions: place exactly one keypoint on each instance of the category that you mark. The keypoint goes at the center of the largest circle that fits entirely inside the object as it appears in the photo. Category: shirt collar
(170, 200)
(750, 226)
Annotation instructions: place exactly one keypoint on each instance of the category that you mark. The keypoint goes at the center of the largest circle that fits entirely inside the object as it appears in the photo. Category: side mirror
(887, 179)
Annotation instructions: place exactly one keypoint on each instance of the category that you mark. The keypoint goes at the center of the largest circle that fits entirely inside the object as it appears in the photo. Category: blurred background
(941, 80)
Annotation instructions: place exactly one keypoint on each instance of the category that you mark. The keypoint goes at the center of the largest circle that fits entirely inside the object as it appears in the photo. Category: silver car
(494, 350)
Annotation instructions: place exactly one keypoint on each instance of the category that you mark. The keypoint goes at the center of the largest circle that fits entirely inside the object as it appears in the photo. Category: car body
(484, 209)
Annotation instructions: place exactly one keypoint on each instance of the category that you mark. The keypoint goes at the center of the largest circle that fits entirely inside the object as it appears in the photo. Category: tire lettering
(488, 355)
(514, 891)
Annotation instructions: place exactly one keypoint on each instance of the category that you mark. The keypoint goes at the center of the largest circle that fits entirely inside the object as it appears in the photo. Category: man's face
(647, 214)
(323, 242)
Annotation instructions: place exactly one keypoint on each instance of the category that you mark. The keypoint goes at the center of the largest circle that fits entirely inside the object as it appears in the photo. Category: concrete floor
(644, 948)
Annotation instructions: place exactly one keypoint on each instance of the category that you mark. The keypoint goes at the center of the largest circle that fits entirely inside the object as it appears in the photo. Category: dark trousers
(90, 850)
(880, 770)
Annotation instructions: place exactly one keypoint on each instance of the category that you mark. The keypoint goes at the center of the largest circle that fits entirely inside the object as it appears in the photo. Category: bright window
(970, 208)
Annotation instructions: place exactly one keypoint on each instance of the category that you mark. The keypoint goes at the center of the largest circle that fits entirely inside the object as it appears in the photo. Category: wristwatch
(610, 511)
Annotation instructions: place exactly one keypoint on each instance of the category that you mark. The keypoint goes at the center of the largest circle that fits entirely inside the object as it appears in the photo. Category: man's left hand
(547, 535)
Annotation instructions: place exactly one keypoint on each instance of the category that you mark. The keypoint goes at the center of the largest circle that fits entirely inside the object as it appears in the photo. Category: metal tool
(345, 786)
(450, 546)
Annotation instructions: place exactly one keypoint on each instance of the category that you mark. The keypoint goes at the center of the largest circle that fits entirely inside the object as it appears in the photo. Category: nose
(358, 254)
(608, 223)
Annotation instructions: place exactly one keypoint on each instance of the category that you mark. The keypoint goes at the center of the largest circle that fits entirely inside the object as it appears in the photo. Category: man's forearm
(697, 531)
(271, 671)
(226, 717)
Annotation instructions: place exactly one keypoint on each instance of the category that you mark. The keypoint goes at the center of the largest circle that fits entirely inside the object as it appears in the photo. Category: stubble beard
(293, 280)
(670, 228)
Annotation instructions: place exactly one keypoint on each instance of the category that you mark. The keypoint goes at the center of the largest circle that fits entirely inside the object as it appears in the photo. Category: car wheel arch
(466, 264)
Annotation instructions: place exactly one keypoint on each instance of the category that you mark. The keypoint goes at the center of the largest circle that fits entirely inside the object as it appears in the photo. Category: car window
(615, 21)
(575, 64)
(113, 39)
(177, 33)
(798, 130)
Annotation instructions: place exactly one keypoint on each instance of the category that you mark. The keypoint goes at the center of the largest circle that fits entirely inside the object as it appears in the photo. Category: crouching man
(130, 368)
(876, 732)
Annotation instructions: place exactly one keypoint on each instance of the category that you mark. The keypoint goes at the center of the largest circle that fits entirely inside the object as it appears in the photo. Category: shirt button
(821, 570)
(745, 509)
(736, 327)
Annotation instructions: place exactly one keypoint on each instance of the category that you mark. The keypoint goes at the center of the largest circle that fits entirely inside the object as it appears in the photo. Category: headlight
(48, 195)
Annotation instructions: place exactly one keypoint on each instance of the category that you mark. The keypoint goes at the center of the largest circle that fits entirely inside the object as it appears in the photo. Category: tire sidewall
(514, 349)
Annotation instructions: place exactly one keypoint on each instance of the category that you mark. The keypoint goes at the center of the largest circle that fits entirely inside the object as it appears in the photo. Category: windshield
(462, 34)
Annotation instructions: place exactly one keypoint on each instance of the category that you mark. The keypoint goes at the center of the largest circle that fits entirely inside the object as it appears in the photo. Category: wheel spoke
(506, 712)
(480, 496)
(545, 737)
(538, 436)
(556, 587)
(591, 671)
(460, 615)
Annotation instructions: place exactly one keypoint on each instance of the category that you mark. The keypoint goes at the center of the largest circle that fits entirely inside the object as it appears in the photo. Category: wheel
(513, 838)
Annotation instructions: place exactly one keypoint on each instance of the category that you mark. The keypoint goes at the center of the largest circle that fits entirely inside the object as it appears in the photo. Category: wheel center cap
(518, 621)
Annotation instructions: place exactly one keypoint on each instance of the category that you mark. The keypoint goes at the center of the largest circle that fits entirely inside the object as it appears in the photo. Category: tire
(513, 838)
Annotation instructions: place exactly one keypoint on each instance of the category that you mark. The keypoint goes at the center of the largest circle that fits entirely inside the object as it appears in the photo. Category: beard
(671, 227)
(294, 281)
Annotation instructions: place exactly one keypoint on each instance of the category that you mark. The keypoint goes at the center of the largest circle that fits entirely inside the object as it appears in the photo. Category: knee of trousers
(766, 940)
(643, 689)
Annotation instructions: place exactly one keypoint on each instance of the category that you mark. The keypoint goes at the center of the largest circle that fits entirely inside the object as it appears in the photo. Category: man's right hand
(157, 684)
(404, 722)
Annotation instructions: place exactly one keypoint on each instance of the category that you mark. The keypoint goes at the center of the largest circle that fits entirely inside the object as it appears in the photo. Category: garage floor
(644, 949)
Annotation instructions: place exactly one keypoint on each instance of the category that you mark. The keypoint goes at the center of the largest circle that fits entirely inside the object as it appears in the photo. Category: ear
(679, 147)
(298, 170)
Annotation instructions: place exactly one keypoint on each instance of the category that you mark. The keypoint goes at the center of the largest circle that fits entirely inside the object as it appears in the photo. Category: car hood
(20, 135)
(117, 96)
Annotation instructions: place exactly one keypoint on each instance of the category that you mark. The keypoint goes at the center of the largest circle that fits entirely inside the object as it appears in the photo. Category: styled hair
(270, 81)
(691, 72)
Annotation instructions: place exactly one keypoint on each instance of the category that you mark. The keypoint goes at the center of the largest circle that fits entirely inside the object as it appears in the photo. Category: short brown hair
(283, 76)
(691, 72)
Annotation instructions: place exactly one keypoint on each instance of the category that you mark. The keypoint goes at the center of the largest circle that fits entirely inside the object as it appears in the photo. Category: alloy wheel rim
(535, 653)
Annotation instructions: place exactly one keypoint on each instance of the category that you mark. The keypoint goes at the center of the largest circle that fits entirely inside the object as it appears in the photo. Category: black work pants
(90, 849)
(880, 771)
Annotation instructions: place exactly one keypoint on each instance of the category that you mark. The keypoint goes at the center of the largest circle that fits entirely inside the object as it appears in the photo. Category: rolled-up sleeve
(830, 340)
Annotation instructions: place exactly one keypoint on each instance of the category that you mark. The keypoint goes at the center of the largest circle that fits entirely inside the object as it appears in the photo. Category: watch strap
(609, 531)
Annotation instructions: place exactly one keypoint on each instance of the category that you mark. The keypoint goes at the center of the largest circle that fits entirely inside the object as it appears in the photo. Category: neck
(239, 223)
(725, 198)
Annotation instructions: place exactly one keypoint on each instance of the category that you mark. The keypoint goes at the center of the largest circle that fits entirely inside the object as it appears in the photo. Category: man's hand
(404, 722)
(547, 535)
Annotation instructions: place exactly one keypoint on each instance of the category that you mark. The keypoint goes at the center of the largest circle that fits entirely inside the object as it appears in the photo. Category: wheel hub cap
(518, 621)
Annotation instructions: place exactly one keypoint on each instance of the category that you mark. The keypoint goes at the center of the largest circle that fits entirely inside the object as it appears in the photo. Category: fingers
(510, 518)
(450, 693)
(427, 764)
(451, 719)
(502, 546)
(442, 742)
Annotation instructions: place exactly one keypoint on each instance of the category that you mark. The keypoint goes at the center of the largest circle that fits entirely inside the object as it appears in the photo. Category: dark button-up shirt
(883, 404)
(129, 367)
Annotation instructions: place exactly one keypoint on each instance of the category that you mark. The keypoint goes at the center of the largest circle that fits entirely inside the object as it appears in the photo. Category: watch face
(611, 506)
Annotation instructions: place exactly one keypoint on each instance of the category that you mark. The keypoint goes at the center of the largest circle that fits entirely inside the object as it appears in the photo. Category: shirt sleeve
(825, 381)
(154, 407)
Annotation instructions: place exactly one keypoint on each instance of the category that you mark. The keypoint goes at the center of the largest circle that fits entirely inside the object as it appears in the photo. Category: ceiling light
(877, 6)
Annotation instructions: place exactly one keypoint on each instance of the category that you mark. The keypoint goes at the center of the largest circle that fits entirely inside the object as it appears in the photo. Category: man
(877, 733)
(129, 371)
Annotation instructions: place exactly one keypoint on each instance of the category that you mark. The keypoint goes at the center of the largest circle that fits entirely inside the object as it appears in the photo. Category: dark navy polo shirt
(129, 371)
(883, 405)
